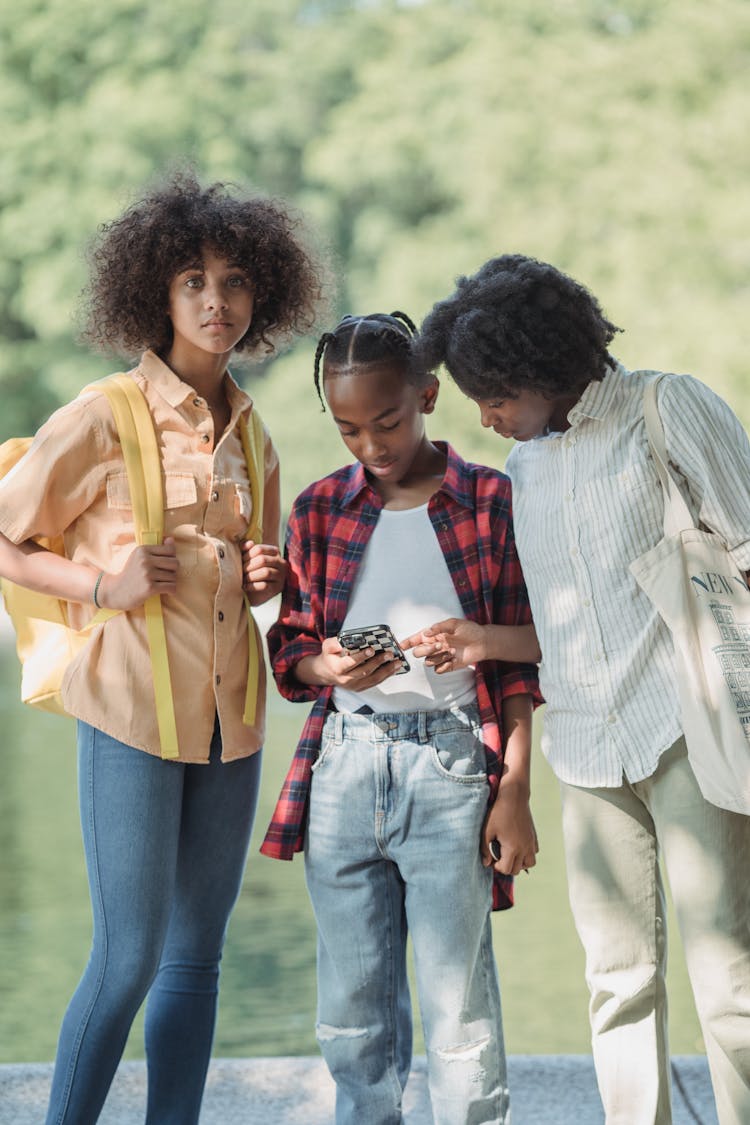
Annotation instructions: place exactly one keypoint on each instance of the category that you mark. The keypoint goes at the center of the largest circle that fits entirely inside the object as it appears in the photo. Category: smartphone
(378, 637)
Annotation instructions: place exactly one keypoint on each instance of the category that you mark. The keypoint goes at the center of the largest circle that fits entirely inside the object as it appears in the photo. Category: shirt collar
(455, 483)
(174, 390)
(596, 401)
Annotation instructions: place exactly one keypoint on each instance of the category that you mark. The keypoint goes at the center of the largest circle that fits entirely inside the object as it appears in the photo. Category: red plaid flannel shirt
(329, 527)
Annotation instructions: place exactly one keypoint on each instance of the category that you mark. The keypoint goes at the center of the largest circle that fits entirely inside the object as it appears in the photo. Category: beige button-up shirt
(72, 482)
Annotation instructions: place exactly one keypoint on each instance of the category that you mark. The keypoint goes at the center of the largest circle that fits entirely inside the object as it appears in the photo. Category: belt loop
(338, 728)
(422, 726)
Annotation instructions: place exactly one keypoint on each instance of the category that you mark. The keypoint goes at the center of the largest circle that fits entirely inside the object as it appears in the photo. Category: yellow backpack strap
(253, 444)
(143, 467)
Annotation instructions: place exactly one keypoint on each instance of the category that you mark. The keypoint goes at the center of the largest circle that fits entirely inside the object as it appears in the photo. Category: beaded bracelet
(97, 584)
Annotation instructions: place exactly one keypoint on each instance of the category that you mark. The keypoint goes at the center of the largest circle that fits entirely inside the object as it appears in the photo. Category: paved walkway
(546, 1090)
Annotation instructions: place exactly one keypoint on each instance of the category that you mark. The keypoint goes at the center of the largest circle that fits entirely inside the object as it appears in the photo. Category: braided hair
(358, 341)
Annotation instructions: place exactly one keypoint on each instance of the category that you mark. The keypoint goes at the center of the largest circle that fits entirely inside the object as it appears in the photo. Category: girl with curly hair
(530, 346)
(187, 276)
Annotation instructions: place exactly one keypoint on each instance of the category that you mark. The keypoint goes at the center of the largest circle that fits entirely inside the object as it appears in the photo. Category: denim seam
(491, 982)
(392, 991)
(96, 899)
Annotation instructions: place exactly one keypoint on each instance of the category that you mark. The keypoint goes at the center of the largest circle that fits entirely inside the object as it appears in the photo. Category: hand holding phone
(377, 637)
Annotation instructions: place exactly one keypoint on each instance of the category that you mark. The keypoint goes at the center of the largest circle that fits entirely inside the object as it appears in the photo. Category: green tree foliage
(608, 136)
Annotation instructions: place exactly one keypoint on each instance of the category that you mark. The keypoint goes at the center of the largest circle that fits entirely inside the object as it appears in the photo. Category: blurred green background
(418, 139)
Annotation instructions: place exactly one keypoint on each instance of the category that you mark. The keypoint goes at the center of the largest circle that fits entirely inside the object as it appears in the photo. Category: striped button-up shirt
(329, 528)
(585, 504)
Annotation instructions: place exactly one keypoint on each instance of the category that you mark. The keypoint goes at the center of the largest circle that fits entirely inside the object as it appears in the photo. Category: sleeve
(708, 446)
(511, 607)
(295, 633)
(58, 477)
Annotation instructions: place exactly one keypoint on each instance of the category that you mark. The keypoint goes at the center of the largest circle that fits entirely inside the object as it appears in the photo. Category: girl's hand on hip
(263, 571)
(148, 571)
(449, 645)
(355, 671)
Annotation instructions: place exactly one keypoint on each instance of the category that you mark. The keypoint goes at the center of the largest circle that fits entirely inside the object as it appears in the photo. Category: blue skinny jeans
(166, 845)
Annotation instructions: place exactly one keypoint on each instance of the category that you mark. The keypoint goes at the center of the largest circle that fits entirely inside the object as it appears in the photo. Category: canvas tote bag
(703, 598)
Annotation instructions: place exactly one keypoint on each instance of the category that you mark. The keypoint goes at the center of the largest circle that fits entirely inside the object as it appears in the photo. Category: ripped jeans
(396, 810)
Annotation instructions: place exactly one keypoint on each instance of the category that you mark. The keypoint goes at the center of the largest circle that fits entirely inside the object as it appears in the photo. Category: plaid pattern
(329, 527)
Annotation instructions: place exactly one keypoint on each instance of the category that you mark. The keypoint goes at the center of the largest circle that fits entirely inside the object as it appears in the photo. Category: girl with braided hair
(402, 784)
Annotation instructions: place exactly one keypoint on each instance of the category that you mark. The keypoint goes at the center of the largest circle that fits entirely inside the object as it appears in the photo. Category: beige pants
(613, 841)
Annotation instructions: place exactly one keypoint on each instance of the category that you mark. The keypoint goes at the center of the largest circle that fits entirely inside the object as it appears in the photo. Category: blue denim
(166, 845)
(397, 804)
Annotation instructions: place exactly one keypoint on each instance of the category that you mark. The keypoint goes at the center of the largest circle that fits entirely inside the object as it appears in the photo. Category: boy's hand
(263, 571)
(509, 828)
(356, 671)
(148, 571)
(449, 645)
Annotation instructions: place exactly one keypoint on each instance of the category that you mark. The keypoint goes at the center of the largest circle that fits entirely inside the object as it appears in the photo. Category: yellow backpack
(45, 642)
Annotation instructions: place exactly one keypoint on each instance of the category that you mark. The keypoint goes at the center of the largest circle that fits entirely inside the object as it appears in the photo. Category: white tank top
(404, 581)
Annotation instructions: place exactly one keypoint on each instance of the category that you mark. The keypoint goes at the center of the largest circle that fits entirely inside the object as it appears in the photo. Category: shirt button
(218, 679)
(221, 616)
(574, 552)
(221, 552)
(214, 495)
(586, 601)
(611, 718)
(205, 438)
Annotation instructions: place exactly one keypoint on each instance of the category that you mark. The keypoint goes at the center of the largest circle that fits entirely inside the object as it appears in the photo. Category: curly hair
(134, 258)
(359, 341)
(518, 324)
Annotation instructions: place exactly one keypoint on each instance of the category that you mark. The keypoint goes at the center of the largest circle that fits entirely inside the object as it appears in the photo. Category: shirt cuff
(741, 555)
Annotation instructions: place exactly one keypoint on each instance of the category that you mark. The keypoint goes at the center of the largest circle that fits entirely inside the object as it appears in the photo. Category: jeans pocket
(327, 747)
(458, 755)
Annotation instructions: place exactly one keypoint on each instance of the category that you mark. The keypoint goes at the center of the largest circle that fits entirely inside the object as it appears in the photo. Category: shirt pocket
(180, 502)
(625, 514)
(242, 511)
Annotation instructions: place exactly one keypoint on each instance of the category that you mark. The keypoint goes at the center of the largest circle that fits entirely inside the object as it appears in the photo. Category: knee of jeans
(721, 987)
(465, 1052)
(345, 1049)
(189, 977)
(627, 995)
(328, 1033)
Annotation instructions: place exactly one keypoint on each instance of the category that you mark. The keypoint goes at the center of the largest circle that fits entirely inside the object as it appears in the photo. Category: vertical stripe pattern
(585, 504)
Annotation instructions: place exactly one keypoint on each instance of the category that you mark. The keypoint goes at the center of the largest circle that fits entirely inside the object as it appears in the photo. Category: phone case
(378, 637)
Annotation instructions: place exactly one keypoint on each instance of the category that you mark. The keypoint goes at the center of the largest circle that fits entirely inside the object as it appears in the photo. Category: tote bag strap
(143, 468)
(677, 515)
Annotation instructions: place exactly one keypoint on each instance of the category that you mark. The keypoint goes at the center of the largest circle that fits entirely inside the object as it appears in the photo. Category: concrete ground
(545, 1090)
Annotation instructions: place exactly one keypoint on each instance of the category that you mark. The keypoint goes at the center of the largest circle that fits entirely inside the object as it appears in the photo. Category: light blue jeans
(166, 845)
(396, 810)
